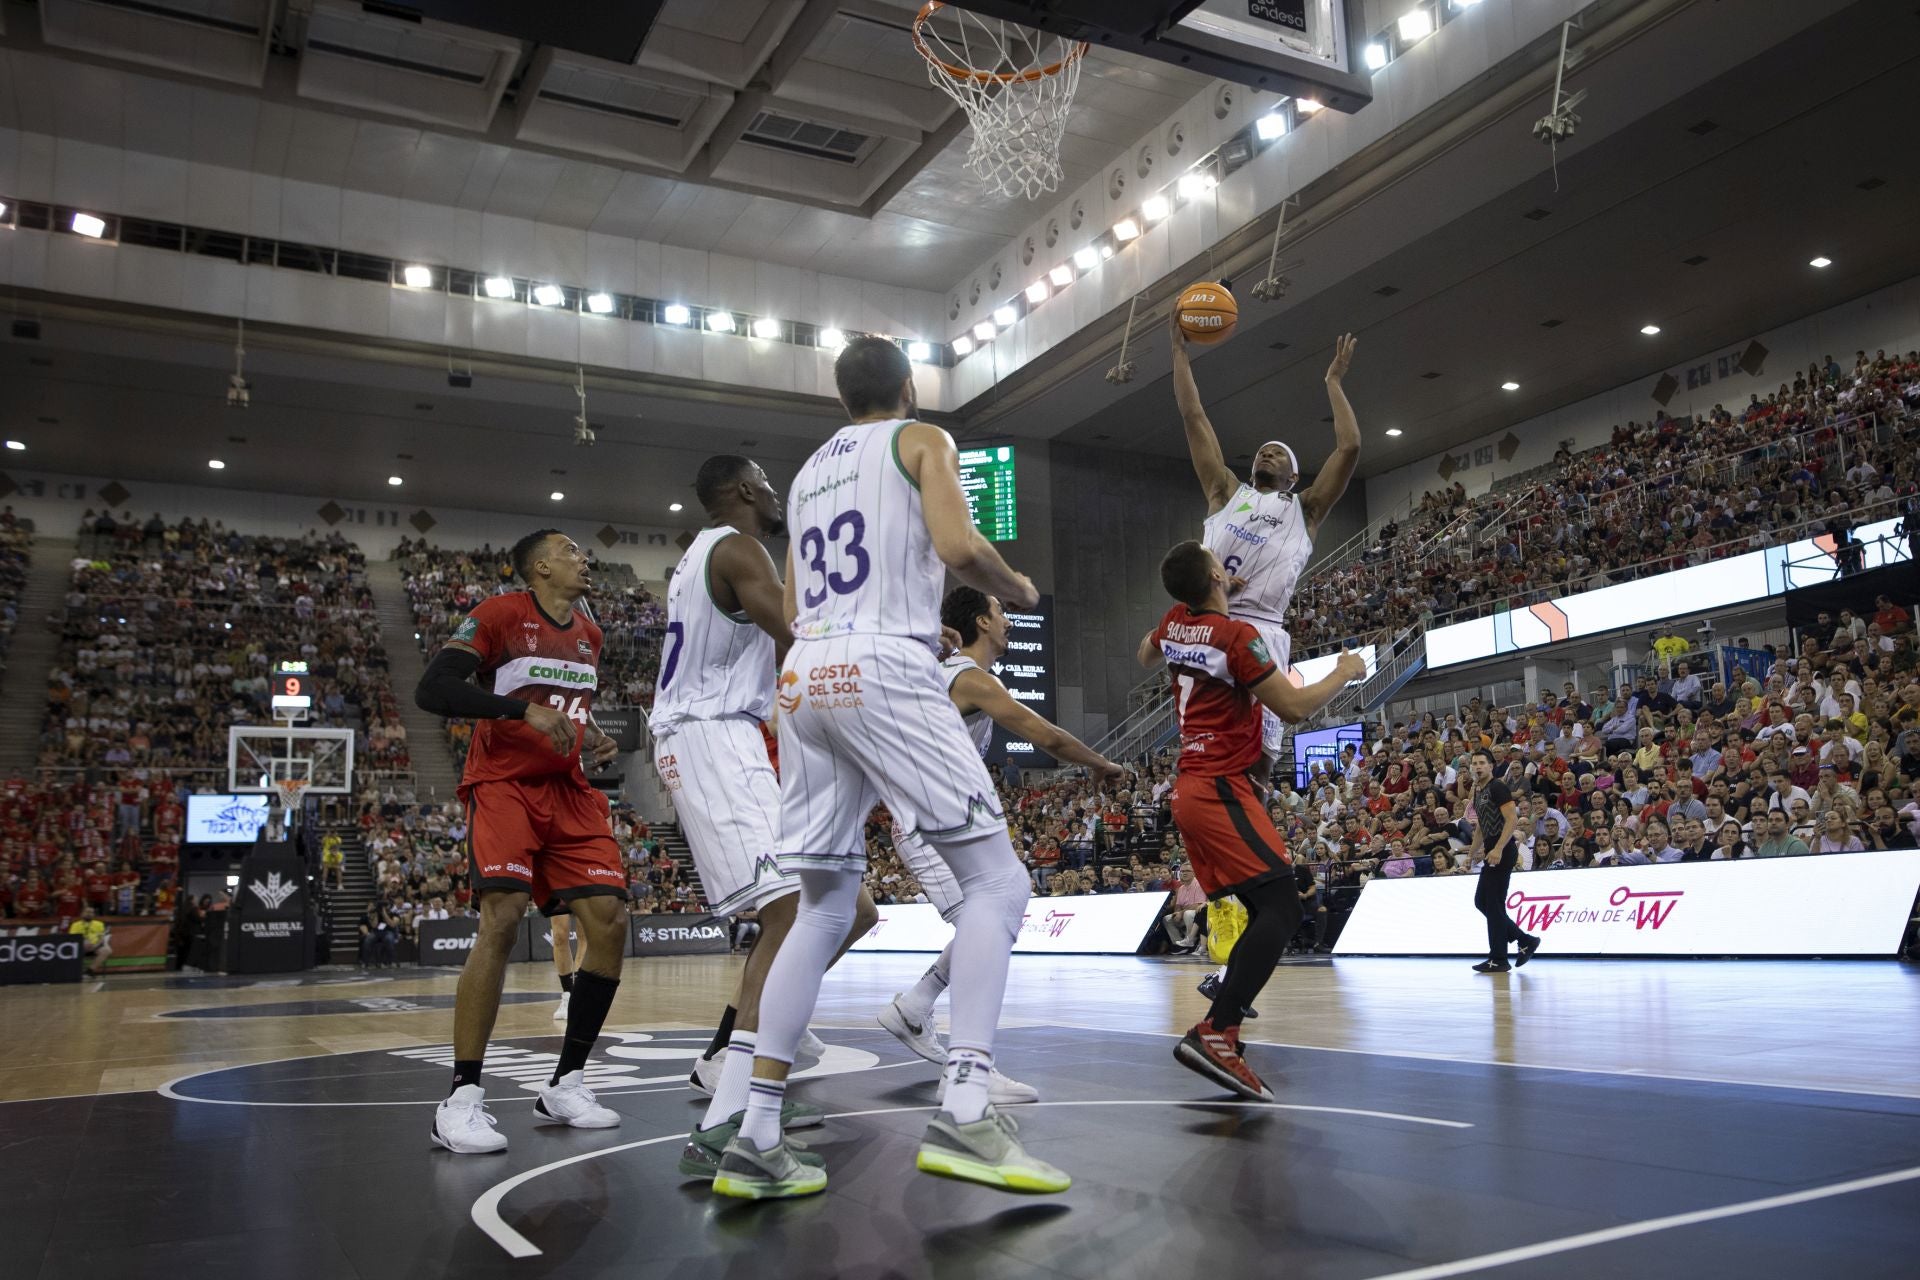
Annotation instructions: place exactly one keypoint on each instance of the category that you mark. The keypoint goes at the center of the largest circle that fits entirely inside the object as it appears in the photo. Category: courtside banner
(1091, 924)
(1836, 904)
(447, 943)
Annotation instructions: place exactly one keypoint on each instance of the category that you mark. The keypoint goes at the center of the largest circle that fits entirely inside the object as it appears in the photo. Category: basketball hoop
(1015, 86)
(290, 790)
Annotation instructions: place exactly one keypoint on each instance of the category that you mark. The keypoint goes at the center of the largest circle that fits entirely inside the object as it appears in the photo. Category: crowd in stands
(67, 843)
(444, 585)
(169, 632)
(1832, 449)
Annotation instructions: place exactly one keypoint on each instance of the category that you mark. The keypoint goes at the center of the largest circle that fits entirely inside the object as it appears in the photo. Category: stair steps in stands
(349, 903)
(36, 642)
(434, 771)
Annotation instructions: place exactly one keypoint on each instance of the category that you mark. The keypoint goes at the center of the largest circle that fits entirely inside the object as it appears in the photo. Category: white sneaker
(811, 1045)
(1002, 1091)
(560, 1013)
(917, 1036)
(571, 1102)
(706, 1073)
(463, 1125)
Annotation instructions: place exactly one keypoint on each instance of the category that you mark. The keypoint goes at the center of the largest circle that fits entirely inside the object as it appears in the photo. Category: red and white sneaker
(1216, 1055)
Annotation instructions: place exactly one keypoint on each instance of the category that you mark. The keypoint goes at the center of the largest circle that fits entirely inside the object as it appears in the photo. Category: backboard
(260, 755)
(1302, 48)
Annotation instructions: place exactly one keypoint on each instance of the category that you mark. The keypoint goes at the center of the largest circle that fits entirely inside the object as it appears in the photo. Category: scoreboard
(291, 697)
(986, 477)
(1027, 670)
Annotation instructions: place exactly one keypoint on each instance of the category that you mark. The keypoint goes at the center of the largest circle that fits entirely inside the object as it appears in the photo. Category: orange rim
(1074, 54)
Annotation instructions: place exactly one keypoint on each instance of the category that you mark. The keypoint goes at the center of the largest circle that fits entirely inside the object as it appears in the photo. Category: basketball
(1207, 311)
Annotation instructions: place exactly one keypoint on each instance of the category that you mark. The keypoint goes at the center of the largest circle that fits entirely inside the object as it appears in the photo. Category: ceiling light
(1307, 106)
(601, 304)
(1270, 126)
(3, 208)
(1375, 56)
(1037, 292)
(1194, 185)
(766, 327)
(1123, 231)
(556, 495)
(395, 481)
(675, 313)
(720, 321)
(1415, 24)
(1087, 259)
(216, 465)
(418, 277)
(1005, 316)
(548, 295)
(1154, 208)
(984, 331)
(832, 339)
(962, 346)
(919, 351)
(498, 287)
(1465, 4)
(1509, 386)
(1393, 431)
(1649, 329)
(16, 446)
(1821, 262)
(87, 225)
(1061, 276)
(1106, 250)
(673, 506)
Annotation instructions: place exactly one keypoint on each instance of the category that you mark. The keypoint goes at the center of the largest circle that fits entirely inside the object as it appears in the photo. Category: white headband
(1283, 445)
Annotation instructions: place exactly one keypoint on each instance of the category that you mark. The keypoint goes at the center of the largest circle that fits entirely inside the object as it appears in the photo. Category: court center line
(1634, 1074)
(1587, 1239)
(486, 1209)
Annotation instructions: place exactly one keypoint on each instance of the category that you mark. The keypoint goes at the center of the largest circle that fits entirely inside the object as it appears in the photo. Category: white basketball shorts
(936, 878)
(866, 720)
(727, 801)
(1280, 648)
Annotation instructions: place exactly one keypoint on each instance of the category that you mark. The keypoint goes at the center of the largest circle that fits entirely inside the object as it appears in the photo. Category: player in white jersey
(878, 517)
(1260, 529)
(726, 631)
(981, 623)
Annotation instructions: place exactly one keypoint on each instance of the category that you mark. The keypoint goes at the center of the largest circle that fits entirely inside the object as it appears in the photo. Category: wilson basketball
(1207, 312)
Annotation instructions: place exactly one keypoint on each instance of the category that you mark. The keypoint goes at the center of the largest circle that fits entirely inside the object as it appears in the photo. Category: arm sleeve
(446, 689)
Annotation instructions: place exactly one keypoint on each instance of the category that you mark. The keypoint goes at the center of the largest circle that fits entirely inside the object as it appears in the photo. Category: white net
(1014, 84)
(290, 791)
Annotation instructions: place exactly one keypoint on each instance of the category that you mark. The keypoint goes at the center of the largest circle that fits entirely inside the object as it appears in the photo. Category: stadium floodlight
(498, 287)
(1270, 126)
(418, 277)
(1194, 185)
(85, 224)
(1307, 106)
(962, 346)
(1106, 251)
(1005, 316)
(674, 507)
(1509, 385)
(601, 304)
(1061, 276)
(1822, 262)
(1154, 208)
(766, 327)
(1649, 329)
(214, 464)
(395, 481)
(1374, 55)
(1087, 259)
(832, 339)
(1415, 25)
(548, 295)
(16, 446)
(556, 496)
(676, 313)
(984, 331)
(720, 321)
(919, 352)
(1393, 431)
(1123, 231)
(1037, 292)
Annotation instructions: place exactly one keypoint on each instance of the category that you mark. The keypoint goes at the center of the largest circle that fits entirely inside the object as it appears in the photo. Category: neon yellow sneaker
(776, 1173)
(987, 1152)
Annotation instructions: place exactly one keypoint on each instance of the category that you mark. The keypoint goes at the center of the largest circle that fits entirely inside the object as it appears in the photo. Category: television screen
(1321, 746)
(225, 819)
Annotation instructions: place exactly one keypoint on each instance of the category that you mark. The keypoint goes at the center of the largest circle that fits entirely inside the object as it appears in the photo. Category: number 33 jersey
(863, 562)
(532, 659)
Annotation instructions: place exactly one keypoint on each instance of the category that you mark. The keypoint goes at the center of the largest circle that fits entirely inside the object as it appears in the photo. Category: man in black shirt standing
(1498, 817)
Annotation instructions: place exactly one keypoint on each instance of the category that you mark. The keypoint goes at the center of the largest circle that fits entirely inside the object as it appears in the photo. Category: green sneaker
(986, 1152)
(700, 1158)
(777, 1173)
(798, 1115)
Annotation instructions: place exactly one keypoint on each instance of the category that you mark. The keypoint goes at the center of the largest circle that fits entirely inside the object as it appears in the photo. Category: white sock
(736, 1075)
(917, 1004)
(761, 1127)
(1220, 974)
(967, 1074)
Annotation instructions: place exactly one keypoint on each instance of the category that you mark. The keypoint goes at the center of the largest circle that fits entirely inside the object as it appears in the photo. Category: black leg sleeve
(1273, 913)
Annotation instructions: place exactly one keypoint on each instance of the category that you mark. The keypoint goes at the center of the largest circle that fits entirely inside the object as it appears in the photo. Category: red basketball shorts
(1232, 842)
(549, 837)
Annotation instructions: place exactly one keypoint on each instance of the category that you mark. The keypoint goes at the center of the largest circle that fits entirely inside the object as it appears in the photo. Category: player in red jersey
(536, 829)
(1222, 676)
